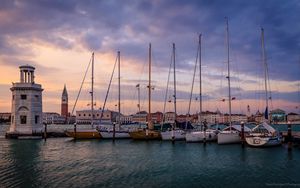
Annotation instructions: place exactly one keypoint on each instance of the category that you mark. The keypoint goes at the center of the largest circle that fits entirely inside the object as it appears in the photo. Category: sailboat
(232, 135)
(264, 135)
(115, 133)
(199, 135)
(174, 133)
(86, 133)
(149, 133)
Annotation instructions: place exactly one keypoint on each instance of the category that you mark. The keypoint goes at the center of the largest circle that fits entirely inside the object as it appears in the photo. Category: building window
(89, 114)
(12, 119)
(13, 97)
(37, 119)
(36, 97)
(79, 114)
(23, 119)
(23, 97)
(83, 114)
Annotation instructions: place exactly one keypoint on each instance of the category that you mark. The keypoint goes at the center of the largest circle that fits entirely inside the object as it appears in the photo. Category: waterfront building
(169, 117)
(140, 117)
(53, 118)
(235, 118)
(157, 117)
(26, 112)
(126, 119)
(212, 117)
(5, 117)
(181, 118)
(238, 118)
(292, 117)
(277, 115)
(64, 104)
(84, 116)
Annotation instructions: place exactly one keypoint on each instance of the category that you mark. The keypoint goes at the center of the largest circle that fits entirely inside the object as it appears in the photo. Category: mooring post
(289, 136)
(75, 130)
(45, 131)
(173, 133)
(243, 134)
(114, 131)
(204, 128)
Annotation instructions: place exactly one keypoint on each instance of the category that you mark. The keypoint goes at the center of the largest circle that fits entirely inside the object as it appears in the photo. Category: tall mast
(175, 109)
(139, 97)
(92, 92)
(228, 72)
(119, 85)
(200, 76)
(266, 68)
(191, 94)
(149, 91)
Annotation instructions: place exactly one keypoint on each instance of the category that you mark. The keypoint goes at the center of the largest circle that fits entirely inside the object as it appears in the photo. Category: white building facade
(26, 111)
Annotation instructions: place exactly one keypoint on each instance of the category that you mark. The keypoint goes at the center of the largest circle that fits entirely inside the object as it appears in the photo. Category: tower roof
(65, 93)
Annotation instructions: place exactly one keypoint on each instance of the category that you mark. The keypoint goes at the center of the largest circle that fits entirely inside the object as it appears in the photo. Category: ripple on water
(126, 163)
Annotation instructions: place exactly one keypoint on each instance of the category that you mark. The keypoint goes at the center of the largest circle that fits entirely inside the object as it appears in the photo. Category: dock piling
(243, 134)
(289, 137)
(45, 131)
(75, 129)
(114, 131)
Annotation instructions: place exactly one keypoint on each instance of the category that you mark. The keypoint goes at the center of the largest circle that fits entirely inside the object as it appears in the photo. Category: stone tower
(26, 111)
(64, 103)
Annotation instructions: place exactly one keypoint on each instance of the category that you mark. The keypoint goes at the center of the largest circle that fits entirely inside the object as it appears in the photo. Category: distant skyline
(58, 38)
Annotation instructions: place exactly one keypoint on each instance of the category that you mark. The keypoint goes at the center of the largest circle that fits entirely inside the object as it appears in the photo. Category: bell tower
(64, 103)
(26, 111)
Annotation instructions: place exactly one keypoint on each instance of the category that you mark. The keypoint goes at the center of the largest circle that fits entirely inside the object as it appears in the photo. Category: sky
(58, 37)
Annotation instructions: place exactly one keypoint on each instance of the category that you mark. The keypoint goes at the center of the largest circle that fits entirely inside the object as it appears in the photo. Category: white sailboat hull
(178, 135)
(199, 136)
(229, 137)
(263, 141)
(118, 134)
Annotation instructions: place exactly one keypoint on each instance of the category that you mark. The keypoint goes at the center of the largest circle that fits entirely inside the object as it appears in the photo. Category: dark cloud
(129, 26)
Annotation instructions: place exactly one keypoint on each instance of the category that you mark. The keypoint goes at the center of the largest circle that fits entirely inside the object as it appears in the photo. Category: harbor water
(62, 162)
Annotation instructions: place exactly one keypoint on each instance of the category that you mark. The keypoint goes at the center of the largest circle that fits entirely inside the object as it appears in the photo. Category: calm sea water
(61, 162)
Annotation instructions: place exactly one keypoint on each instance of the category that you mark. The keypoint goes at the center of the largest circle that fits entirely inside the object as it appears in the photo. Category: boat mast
(139, 98)
(92, 92)
(150, 126)
(119, 85)
(200, 76)
(228, 72)
(265, 71)
(175, 109)
(191, 94)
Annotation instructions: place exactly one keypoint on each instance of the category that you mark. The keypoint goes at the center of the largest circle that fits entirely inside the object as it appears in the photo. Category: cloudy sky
(58, 37)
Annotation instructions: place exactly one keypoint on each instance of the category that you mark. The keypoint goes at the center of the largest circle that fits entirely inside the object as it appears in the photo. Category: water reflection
(20, 163)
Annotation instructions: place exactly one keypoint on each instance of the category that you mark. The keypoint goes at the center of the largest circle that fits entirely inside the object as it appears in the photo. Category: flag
(233, 98)
(138, 85)
(223, 100)
(266, 113)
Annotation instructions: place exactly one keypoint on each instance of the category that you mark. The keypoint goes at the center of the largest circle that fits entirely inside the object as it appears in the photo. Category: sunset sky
(58, 37)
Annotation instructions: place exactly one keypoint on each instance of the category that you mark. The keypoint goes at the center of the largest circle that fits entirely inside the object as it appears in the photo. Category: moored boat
(176, 134)
(209, 135)
(148, 133)
(145, 134)
(264, 135)
(228, 136)
(83, 134)
(86, 133)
